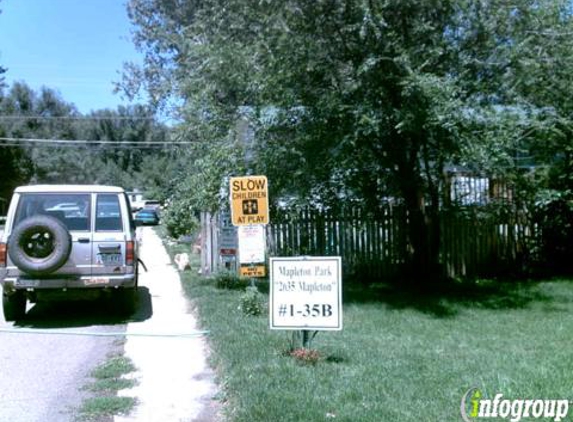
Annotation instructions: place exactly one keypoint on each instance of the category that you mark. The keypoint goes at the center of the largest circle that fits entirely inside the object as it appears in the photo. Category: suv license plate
(96, 281)
(109, 258)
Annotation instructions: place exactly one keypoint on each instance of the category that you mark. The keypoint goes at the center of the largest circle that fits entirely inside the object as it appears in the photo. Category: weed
(252, 302)
(113, 368)
(230, 280)
(95, 408)
(109, 378)
(306, 356)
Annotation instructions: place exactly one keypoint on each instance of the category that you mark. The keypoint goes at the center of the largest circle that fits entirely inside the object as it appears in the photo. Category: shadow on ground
(76, 314)
(446, 299)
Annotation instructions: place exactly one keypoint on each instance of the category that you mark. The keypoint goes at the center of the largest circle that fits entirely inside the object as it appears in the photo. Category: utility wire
(26, 117)
(109, 147)
(11, 142)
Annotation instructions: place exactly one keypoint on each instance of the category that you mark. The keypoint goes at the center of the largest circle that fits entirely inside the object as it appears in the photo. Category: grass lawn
(402, 356)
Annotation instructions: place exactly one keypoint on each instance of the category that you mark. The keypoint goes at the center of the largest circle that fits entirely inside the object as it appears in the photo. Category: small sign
(253, 270)
(228, 251)
(228, 238)
(249, 200)
(251, 244)
(227, 234)
(306, 293)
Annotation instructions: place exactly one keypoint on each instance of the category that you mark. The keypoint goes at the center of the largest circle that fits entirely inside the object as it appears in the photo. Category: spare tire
(39, 245)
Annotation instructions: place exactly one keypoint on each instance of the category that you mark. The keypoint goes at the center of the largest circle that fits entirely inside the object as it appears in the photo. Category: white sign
(306, 293)
(251, 244)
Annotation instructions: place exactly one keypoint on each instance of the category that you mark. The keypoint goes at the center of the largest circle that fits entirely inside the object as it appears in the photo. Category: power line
(79, 118)
(83, 141)
(80, 146)
(18, 142)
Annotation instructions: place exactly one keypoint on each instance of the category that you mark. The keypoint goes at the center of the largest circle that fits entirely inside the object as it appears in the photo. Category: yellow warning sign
(249, 200)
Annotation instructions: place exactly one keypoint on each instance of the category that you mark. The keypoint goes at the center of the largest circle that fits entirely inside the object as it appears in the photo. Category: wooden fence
(475, 243)
(375, 244)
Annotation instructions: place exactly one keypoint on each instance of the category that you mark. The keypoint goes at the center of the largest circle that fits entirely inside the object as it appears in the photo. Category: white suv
(49, 252)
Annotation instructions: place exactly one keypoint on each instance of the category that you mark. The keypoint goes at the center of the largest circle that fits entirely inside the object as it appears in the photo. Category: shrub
(179, 219)
(252, 302)
(230, 280)
(555, 219)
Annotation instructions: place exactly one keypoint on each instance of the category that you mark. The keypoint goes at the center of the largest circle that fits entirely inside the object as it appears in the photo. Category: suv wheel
(39, 245)
(14, 306)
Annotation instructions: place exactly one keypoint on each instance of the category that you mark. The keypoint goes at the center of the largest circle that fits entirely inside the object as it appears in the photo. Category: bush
(179, 219)
(252, 302)
(230, 280)
(555, 219)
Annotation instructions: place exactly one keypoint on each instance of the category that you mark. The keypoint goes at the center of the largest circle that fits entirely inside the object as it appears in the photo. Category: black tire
(14, 306)
(39, 245)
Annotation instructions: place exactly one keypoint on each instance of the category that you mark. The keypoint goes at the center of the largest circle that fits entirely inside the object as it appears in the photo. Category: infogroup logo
(475, 407)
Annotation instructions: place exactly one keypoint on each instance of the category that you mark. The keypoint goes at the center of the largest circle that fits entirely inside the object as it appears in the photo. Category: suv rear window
(108, 213)
(71, 209)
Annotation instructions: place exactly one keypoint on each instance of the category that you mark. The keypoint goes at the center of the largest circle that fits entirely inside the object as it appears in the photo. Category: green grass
(108, 380)
(403, 355)
(108, 376)
(113, 368)
(98, 408)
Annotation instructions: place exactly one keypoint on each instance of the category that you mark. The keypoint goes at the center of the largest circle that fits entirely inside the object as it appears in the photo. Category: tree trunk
(423, 227)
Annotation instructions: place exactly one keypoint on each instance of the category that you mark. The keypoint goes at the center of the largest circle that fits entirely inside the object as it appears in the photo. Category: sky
(76, 47)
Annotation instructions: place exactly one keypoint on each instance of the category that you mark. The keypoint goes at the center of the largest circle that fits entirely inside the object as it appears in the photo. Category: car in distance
(152, 204)
(49, 252)
(146, 216)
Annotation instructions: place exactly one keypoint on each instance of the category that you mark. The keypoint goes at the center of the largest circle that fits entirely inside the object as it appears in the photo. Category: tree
(14, 160)
(543, 58)
(46, 116)
(127, 127)
(366, 101)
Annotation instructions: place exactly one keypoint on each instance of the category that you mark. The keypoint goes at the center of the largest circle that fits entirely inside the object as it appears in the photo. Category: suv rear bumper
(11, 284)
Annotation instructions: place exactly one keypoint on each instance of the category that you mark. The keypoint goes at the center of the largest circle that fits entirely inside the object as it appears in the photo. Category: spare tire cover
(39, 245)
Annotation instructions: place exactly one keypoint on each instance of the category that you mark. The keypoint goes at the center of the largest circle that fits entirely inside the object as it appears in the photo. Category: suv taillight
(3, 251)
(130, 252)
